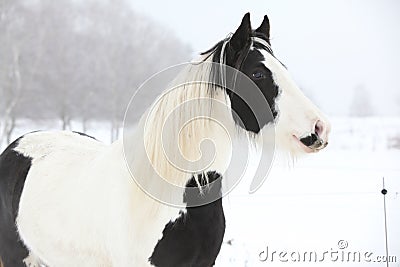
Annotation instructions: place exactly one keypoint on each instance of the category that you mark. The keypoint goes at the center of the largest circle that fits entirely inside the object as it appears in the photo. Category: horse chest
(193, 239)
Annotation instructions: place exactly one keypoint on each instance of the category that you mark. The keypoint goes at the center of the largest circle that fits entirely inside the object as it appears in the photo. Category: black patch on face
(254, 112)
(14, 168)
(194, 239)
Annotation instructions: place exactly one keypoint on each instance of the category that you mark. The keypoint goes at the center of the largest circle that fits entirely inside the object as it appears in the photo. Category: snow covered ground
(327, 200)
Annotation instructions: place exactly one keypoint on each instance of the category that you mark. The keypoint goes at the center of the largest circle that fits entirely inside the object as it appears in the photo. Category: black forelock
(262, 46)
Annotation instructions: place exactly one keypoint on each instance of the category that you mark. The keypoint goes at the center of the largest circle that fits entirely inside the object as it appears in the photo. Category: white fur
(32, 261)
(297, 114)
(80, 207)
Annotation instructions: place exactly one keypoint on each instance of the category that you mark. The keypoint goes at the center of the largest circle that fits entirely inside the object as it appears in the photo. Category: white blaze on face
(297, 115)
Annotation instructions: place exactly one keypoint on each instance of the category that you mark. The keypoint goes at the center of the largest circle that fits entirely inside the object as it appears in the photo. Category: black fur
(264, 29)
(254, 112)
(85, 135)
(14, 168)
(195, 238)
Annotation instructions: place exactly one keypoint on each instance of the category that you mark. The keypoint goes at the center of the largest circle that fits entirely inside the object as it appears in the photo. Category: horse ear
(242, 35)
(264, 28)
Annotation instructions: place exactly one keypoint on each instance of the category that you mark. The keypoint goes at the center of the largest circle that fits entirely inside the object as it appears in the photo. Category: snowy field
(324, 198)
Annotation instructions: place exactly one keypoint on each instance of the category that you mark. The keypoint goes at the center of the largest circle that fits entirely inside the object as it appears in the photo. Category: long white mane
(187, 129)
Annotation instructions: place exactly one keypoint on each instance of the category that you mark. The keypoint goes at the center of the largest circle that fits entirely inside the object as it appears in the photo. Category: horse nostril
(309, 140)
(319, 128)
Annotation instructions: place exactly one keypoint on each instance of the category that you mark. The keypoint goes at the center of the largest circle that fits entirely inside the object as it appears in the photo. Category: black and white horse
(68, 200)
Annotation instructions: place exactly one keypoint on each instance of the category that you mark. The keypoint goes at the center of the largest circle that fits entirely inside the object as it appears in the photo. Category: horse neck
(185, 132)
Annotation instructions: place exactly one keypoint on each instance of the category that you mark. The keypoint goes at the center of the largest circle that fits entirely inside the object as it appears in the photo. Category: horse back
(15, 164)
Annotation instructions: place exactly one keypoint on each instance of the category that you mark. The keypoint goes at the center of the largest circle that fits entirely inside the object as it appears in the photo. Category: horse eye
(258, 75)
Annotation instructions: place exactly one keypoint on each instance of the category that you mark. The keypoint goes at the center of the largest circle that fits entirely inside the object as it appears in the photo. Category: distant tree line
(77, 60)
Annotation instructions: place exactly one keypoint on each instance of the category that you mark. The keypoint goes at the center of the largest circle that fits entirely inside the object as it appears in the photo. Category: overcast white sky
(330, 47)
